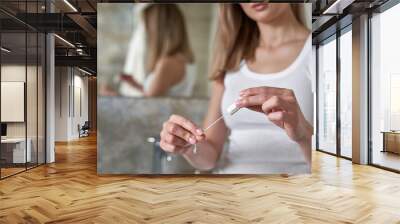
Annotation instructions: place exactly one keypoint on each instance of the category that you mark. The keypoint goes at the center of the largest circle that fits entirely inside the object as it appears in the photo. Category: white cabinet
(18, 149)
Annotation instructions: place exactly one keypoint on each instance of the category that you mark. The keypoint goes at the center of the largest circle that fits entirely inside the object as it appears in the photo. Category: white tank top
(256, 145)
(182, 89)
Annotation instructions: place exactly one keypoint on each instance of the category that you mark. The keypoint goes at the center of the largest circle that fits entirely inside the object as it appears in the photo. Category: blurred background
(121, 40)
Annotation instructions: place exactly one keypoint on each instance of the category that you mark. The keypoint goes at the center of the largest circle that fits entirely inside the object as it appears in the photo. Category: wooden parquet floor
(70, 191)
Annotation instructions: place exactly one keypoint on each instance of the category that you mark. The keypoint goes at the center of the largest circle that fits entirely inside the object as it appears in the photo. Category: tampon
(232, 109)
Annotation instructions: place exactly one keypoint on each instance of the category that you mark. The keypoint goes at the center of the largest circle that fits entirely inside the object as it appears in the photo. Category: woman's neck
(280, 30)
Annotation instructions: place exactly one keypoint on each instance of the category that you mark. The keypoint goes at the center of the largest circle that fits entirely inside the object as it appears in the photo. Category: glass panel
(31, 98)
(314, 62)
(346, 94)
(32, 88)
(23, 91)
(41, 99)
(327, 97)
(385, 84)
(13, 87)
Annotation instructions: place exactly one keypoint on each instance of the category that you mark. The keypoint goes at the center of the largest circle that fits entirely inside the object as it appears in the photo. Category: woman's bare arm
(179, 133)
(168, 72)
(131, 81)
(209, 150)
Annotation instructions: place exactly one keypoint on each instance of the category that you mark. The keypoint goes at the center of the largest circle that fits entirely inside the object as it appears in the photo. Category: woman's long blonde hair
(167, 34)
(237, 38)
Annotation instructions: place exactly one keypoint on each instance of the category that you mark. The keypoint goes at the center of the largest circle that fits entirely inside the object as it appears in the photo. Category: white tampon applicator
(232, 109)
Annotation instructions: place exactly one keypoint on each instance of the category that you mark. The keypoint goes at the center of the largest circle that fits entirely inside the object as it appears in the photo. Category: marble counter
(125, 124)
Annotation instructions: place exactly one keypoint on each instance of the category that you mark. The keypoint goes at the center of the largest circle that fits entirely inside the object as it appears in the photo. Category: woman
(262, 64)
(169, 56)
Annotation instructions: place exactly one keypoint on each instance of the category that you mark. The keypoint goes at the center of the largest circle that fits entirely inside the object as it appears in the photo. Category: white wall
(34, 125)
(61, 103)
(12, 73)
(69, 82)
(80, 84)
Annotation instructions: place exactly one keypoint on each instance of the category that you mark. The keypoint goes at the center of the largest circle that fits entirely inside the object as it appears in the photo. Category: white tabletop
(13, 140)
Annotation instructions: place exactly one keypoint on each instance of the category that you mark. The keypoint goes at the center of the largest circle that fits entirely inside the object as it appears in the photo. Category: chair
(84, 130)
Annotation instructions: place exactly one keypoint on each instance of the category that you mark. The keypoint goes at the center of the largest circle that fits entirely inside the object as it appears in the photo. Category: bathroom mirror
(155, 50)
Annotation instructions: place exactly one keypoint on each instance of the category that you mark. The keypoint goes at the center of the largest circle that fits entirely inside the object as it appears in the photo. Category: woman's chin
(264, 18)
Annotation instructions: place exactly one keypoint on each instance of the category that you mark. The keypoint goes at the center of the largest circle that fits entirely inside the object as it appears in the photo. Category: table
(391, 141)
(16, 147)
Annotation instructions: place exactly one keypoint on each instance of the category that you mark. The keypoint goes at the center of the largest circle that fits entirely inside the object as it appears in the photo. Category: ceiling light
(5, 50)
(79, 51)
(64, 40)
(70, 5)
(84, 71)
(337, 7)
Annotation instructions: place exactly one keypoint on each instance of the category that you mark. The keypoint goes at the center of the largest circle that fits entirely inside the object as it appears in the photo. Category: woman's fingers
(178, 134)
(277, 108)
(264, 90)
(251, 101)
(171, 148)
(275, 103)
(281, 111)
(125, 77)
(279, 105)
(179, 131)
(172, 139)
(278, 118)
(264, 100)
(187, 124)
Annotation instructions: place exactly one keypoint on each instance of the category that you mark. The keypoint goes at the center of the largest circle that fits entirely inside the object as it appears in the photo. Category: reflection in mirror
(149, 50)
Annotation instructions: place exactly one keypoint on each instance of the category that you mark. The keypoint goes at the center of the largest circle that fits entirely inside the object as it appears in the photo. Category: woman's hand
(106, 90)
(281, 108)
(179, 134)
(125, 77)
(129, 79)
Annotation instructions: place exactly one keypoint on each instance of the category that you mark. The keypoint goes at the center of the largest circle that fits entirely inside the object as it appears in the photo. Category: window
(385, 89)
(22, 77)
(394, 102)
(346, 94)
(327, 97)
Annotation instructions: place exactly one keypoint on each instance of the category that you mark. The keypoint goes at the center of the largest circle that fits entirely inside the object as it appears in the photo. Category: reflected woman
(169, 62)
(262, 64)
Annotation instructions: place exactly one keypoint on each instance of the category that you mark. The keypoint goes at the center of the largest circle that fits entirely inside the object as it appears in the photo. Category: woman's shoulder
(174, 63)
(304, 33)
(301, 40)
(170, 68)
